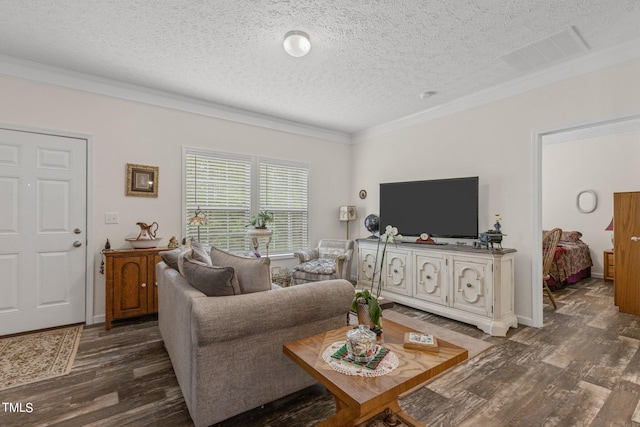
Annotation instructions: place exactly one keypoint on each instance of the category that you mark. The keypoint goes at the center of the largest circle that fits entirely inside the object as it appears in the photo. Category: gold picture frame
(142, 181)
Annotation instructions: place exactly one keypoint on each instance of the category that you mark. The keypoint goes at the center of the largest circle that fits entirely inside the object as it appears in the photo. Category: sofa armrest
(306, 255)
(218, 319)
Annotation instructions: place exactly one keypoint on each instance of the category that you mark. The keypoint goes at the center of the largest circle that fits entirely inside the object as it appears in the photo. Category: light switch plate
(111, 218)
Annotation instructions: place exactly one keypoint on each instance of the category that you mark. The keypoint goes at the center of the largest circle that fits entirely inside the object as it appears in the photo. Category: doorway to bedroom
(589, 163)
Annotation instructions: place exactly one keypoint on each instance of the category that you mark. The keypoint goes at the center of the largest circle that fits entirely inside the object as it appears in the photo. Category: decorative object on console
(173, 243)
(347, 213)
(147, 237)
(497, 225)
(365, 303)
(142, 181)
(372, 224)
(363, 194)
(610, 228)
(491, 237)
(425, 238)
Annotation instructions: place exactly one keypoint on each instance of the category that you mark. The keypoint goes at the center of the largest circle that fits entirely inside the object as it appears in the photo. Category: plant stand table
(360, 398)
(257, 233)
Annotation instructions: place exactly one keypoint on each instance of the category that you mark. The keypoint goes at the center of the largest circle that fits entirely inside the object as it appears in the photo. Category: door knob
(77, 231)
(77, 244)
(635, 239)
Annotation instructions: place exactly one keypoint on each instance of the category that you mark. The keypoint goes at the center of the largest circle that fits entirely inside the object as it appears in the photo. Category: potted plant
(365, 302)
(261, 219)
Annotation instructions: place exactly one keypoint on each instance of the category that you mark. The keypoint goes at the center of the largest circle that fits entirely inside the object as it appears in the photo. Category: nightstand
(608, 265)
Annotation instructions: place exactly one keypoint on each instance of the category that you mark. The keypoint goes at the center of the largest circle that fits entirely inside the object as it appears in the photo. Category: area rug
(37, 356)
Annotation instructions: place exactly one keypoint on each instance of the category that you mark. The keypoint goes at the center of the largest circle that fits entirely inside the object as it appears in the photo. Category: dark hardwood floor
(581, 369)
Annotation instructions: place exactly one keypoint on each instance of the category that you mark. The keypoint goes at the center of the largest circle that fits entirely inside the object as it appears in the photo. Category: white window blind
(220, 187)
(284, 191)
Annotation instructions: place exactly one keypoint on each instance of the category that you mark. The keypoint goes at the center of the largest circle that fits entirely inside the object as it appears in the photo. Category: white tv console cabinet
(459, 282)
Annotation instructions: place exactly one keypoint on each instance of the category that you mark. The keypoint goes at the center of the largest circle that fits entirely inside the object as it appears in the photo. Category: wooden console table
(131, 287)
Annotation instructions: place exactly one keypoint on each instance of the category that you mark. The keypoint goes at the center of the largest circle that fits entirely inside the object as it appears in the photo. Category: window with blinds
(284, 191)
(220, 187)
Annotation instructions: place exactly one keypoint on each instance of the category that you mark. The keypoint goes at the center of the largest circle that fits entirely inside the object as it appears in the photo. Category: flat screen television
(440, 208)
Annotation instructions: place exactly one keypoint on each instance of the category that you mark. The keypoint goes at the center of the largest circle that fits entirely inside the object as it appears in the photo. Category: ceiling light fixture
(297, 43)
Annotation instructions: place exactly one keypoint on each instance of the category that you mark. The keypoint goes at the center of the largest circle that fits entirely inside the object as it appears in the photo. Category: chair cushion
(317, 266)
(253, 273)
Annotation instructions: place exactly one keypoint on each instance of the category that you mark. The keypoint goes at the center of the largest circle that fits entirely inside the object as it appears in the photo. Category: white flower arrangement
(390, 235)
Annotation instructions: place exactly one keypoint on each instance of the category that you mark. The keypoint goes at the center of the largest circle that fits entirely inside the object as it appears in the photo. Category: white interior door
(43, 205)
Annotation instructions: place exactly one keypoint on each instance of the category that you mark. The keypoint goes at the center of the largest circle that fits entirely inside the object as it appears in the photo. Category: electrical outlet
(111, 218)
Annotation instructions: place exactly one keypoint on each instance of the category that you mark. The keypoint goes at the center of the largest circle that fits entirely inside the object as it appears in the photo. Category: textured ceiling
(369, 61)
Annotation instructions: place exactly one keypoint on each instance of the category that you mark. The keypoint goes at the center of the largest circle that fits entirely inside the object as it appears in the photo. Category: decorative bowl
(144, 243)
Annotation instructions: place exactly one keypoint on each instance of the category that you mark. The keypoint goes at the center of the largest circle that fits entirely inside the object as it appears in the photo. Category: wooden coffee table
(360, 398)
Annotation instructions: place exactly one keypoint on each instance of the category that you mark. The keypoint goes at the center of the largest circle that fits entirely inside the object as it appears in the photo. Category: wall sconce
(347, 213)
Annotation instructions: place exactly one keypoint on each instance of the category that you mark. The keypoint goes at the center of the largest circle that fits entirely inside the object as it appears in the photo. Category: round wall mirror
(587, 201)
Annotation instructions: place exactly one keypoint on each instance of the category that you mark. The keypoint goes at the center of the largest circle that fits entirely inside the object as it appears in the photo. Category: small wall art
(142, 181)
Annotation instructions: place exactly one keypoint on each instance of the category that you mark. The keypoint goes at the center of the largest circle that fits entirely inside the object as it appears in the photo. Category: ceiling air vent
(546, 51)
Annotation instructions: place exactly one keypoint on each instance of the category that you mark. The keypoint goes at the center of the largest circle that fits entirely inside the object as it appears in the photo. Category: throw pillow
(253, 274)
(171, 257)
(200, 253)
(194, 251)
(210, 280)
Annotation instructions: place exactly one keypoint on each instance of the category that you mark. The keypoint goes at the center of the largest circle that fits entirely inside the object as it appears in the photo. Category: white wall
(494, 142)
(128, 132)
(605, 165)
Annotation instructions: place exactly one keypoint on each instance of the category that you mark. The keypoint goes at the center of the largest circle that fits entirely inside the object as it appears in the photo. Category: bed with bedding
(572, 261)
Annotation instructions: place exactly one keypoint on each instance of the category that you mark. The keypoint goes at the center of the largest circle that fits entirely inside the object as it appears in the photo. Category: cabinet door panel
(431, 278)
(130, 296)
(397, 266)
(472, 285)
(366, 267)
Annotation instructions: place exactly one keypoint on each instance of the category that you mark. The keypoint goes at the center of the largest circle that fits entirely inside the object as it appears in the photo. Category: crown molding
(619, 54)
(40, 73)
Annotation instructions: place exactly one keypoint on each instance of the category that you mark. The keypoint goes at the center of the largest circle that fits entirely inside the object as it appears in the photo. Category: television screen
(440, 208)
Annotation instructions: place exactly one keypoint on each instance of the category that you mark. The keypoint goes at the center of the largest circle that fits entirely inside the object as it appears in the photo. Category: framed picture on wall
(142, 181)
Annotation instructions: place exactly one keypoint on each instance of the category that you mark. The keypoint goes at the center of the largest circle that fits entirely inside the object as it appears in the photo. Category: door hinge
(492, 268)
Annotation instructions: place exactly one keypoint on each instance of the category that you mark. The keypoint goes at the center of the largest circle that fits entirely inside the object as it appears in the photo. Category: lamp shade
(347, 213)
(610, 226)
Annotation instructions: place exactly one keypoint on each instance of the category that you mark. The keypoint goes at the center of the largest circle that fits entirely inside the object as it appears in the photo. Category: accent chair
(330, 260)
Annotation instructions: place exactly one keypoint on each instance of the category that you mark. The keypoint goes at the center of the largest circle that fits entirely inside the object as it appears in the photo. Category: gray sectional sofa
(227, 351)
